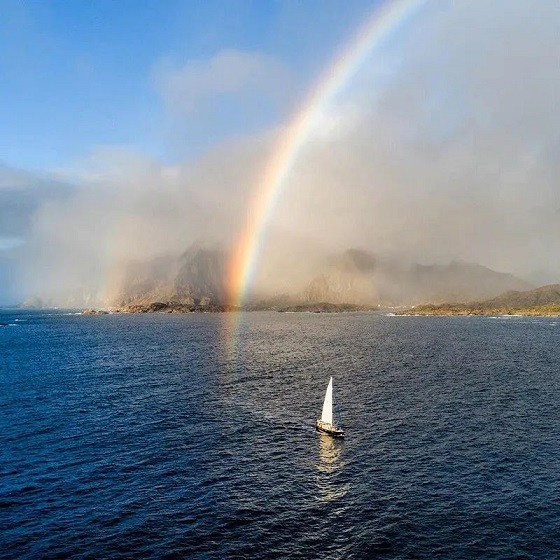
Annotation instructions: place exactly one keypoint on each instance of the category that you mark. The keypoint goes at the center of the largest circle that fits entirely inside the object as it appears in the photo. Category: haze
(444, 146)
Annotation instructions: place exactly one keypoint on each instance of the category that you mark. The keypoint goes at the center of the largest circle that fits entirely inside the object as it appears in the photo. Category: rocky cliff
(361, 278)
(197, 279)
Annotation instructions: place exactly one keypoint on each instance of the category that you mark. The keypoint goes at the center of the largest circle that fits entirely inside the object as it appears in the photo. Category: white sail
(326, 416)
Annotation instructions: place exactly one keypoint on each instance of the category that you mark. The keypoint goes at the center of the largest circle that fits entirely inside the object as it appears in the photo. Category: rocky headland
(543, 301)
(175, 307)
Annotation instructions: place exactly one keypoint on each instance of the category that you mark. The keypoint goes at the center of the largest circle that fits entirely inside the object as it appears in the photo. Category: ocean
(192, 436)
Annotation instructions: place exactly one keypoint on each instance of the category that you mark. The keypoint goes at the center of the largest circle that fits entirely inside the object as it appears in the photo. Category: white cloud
(238, 75)
(457, 155)
(130, 208)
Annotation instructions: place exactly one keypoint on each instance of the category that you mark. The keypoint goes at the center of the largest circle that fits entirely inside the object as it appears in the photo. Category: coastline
(449, 310)
(176, 307)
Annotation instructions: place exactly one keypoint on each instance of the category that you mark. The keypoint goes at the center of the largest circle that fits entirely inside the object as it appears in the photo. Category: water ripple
(138, 436)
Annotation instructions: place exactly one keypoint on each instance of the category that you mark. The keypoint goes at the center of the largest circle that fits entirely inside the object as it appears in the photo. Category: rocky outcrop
(358, 277)
(174, 307)
(202, 276)
(194, 279)
(347, 278)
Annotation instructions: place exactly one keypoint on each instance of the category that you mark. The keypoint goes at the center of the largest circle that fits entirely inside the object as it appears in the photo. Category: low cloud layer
(456, 157)
(244, 76)
(230, 94)
(453, 156)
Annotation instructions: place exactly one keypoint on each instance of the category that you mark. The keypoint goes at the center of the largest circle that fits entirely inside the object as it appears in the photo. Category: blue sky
(75, 75)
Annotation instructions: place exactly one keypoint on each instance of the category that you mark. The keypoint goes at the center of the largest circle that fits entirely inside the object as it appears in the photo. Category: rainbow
(384, 19)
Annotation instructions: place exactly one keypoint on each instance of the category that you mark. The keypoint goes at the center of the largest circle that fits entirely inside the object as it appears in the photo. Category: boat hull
(329, 429)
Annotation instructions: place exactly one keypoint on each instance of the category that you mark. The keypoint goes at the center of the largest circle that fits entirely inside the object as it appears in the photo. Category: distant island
(349, 281)
(543, 301)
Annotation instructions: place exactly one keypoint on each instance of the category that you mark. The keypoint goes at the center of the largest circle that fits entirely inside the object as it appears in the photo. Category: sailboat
(327, 424)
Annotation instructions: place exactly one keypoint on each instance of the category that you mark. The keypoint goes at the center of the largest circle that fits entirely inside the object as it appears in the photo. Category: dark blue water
(151, 436)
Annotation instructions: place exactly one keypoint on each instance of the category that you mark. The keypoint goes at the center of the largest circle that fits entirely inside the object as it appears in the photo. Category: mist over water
(443, 147)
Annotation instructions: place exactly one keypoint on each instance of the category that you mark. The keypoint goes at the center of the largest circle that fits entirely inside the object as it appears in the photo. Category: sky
(129, 130)
(80, 74)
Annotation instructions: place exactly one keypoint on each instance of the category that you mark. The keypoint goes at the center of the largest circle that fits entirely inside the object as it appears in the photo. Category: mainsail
(326, 416)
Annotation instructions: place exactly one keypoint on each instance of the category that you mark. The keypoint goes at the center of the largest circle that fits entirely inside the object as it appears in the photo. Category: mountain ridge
(197, 280)
(355, 277)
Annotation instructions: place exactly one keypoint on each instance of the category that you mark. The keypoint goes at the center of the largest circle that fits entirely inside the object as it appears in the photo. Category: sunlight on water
(329, 464)
(330, 451)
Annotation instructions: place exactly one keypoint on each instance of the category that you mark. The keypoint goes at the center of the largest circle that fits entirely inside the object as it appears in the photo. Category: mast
(327, 414)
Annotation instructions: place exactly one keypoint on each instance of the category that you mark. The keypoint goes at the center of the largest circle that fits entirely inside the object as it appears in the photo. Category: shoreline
(464, 311)
(172, 307)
